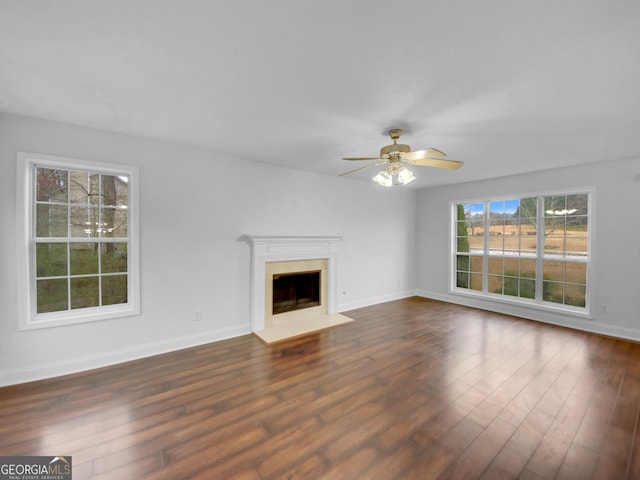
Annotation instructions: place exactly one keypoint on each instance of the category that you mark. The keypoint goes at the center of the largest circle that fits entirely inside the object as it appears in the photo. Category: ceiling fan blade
(362, 168)
(361, 158)
(436, 162)
(420, 154)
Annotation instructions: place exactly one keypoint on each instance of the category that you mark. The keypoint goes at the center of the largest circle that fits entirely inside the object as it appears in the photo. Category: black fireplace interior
(295, 291)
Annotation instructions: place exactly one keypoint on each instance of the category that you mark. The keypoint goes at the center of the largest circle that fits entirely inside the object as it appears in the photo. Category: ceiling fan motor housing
(396, 148)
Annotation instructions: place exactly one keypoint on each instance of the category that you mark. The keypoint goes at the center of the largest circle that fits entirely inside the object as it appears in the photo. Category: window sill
(581, 313)
(86, 315)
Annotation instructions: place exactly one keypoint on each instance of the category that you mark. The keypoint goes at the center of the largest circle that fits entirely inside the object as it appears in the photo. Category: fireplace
(295, 291)
(282, 256)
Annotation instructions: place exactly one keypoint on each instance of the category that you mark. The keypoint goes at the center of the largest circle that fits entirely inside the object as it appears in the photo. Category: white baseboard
(88, 362)
(367, 302)
(563, 320)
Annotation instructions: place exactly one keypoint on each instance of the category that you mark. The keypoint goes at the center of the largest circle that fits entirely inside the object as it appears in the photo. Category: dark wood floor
(414, 389)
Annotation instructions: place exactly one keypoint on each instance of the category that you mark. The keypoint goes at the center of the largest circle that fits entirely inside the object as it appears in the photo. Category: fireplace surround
(286, 254)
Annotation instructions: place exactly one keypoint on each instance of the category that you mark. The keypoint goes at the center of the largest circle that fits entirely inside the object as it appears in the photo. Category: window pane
(511, 240)
(462, 228)
(474, 216)
(576, 273)
(84, 258)
(51, 220)
(496, 210)
(114, 289)
(463, 244)
(476, 282)
(51, 259)
(552, 292)
(476, 264)
(84, 222)
(575, 295)
(527, 288)
(555, 244)
(528, 232)
(114, 223)
(554, 203)
(84, 292)
(84, 188)
(553, 271)
(476, 243)
(115, 190)
(527, 208)
(462, 279)
(528, 268)
(51, 295)
(575, 244)
(577, 223)
(579, 203)
(51, 185)
(470, 211)
(496, 242)
(511, 267)
(554, 227)
(495, 284)
(528, 226)
(462, 263)
(510, 286)
(528, 245)
(114, 257)
(495, 265)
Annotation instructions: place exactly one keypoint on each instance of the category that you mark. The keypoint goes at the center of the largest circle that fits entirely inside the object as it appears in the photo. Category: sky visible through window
(502, 206)
(507, 206)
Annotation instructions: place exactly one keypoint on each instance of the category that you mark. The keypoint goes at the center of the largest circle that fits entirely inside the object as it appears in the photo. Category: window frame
(29, 319)
(538, 302)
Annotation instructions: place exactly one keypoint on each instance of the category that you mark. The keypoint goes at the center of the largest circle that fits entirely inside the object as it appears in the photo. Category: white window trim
(529, 303)
(28, 319)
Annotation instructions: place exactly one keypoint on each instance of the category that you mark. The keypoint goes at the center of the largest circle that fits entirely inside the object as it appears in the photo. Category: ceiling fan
(397, 154)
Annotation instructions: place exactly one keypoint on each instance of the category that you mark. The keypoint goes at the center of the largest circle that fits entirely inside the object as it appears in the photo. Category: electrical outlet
(604, 308)
(197, 316)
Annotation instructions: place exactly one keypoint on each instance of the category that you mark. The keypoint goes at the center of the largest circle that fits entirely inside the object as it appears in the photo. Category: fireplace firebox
(295, 291)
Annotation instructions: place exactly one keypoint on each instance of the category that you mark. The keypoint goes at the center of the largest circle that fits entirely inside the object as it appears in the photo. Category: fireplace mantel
(266, 249)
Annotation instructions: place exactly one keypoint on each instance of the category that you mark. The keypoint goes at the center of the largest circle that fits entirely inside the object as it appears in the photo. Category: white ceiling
(503, 85)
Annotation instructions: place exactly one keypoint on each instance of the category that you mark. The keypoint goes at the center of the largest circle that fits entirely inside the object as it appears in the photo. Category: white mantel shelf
(269, 248)
(275, 239)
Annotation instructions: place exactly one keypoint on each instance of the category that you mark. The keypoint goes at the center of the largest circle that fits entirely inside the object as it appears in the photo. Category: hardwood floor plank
(579, 462)
(478, 456)
(549, 455)
(516, 453)
(413, 389)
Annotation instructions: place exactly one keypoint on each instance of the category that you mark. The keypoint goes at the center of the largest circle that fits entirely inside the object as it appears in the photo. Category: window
(532, 249)
(79, 247)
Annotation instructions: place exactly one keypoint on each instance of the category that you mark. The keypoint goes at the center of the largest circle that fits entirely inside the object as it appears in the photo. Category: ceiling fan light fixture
(405, 176)
(383, 178)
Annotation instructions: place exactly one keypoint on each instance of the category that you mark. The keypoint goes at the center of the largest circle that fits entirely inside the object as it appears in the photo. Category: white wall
(616, 235)
(195, 205)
